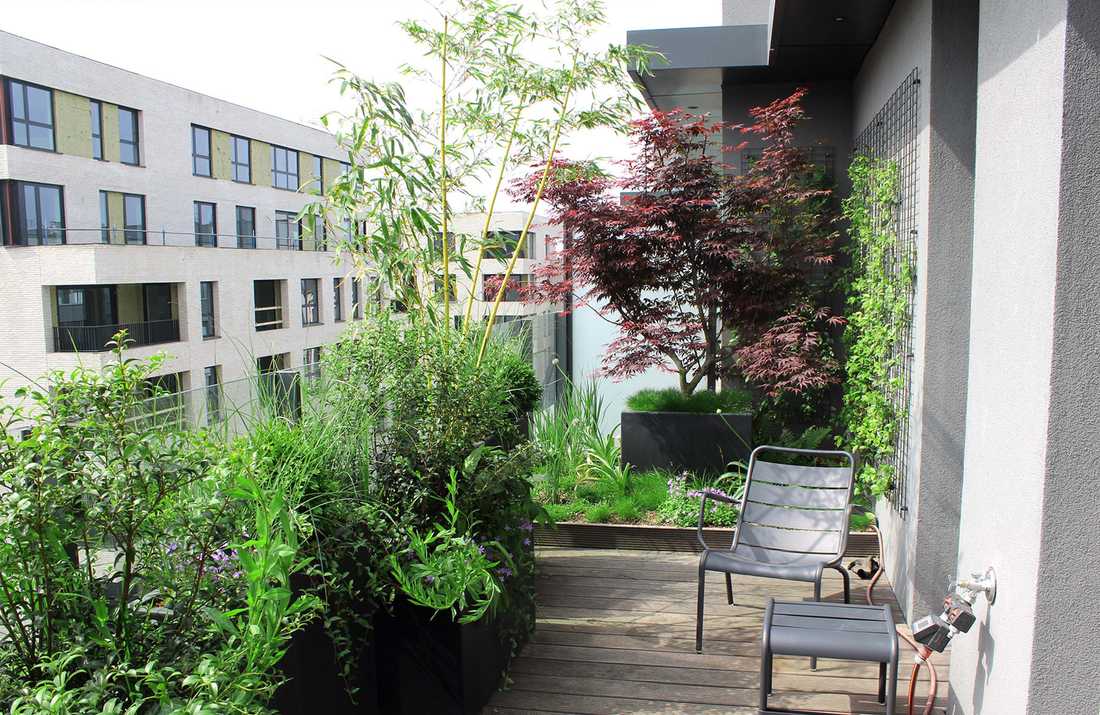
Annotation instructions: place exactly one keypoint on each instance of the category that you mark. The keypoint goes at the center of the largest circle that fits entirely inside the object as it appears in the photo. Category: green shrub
(597, 513)
(672, 400)
(625, 509)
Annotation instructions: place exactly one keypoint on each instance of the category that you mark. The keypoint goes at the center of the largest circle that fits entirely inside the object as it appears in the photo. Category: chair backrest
(794, 508)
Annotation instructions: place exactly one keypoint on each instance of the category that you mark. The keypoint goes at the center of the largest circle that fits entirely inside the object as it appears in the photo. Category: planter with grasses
(701, 433)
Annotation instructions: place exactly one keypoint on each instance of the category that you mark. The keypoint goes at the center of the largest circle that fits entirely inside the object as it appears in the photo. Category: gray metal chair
(793, 525)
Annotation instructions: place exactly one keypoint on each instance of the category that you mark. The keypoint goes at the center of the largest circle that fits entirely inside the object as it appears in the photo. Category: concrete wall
(1016, 259)
(904, 43)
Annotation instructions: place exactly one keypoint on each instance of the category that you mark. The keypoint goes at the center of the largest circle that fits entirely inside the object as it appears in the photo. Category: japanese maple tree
(702, 270)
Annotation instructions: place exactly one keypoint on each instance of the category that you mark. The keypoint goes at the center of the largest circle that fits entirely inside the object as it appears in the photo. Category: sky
(271, 55)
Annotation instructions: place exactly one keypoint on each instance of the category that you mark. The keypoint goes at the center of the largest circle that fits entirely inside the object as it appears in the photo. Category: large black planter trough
(699, 442)
(435, 665)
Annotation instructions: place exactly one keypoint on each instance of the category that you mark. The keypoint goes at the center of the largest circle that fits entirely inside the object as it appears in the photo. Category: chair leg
(882, 682)
(729, 589)
(847, 585)
(699, 606)
(817, 597)
(892, 686)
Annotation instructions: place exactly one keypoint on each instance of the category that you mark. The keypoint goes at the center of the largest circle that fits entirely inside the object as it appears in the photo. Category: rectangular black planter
(434, 665)
(699, 442)
(314, 682)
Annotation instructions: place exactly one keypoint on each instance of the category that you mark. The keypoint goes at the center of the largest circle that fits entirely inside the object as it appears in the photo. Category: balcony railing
(269, 317)
(149, 237)
(94, 338)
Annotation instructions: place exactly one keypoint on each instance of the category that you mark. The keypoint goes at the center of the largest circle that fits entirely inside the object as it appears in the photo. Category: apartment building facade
(130, 203)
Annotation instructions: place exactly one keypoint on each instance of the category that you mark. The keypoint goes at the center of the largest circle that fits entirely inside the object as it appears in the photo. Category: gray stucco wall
(905, 42)
(1018, 165)
(951, 90)
(1065, 655)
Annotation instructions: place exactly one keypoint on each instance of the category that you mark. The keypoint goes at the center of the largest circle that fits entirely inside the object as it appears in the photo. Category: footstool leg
(882, 682)
(729, 589)
(766, 658)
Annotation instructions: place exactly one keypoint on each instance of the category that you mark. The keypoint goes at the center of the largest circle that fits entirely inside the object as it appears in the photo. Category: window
(128, 136)
(284, 168)
(452, 286)
(287, 236)
(200, 151)
(500, 245)
(31, 110)
(337, 300)
(133, 218)
(271, 363)
(356, 299)
(206, 301)
(104, 218)
(242, 160)
(345, 167)
(311, 362)
(318, 231)
(490, 284)
(41, 214)
(206, 224)
(213, 394)
(96, 109)
(311, 305)
(319, 174)
(246, 227)
(268, 299)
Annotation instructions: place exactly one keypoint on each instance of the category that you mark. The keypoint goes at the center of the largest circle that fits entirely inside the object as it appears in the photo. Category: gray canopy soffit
(807, 40)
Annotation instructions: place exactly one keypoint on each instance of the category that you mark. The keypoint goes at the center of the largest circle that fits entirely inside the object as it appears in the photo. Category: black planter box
(699, 442)
(314, 683)
(434, 665)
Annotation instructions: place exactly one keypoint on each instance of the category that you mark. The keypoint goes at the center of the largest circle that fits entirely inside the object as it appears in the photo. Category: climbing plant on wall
(879, 285)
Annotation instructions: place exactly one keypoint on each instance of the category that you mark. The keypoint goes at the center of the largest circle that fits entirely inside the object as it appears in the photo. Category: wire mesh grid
(892, 136)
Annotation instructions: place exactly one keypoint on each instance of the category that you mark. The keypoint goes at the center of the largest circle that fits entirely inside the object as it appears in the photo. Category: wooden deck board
(616, 634)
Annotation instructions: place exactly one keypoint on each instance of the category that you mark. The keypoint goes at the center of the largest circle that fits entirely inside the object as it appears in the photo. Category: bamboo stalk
(531, 214)
(443, 178)
(488, 220)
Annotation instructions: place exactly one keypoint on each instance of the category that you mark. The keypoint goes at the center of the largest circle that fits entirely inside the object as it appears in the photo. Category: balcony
(95, 338)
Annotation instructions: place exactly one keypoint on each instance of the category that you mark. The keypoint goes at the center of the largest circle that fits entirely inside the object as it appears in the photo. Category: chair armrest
(708, 494)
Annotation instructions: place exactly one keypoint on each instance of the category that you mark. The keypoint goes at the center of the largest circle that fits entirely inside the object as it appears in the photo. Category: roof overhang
(806, 41)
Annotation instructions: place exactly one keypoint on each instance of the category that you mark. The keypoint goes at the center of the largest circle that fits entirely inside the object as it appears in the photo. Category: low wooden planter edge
(662, 538)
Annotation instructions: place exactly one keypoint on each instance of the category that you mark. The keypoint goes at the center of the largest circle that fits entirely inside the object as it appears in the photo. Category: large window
(104, 218)
(337, 300)
(200, 151)
(213, 394)
(311, 301)
(284, 168)
(500, 245)
(490, 285)
(319, 174)
(206, 224)
(356, 299)
(207, 297)
(268, 300)
(133, 218)
(311, 362)
(96, 112)
(31, 110)
(128, 152)
(246, 227)
(242, 160)
(287, 231)
(41, 214)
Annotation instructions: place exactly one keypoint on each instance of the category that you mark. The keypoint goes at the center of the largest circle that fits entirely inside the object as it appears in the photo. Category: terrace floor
(616, 634)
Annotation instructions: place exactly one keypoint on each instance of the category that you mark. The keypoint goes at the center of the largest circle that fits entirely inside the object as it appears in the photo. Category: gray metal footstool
(830, 630)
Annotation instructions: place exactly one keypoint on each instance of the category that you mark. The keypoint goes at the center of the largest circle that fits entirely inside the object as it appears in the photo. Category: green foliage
(126, 580)
(598, 513)
(562, 433)
(673, 400)
(518, 374)
(446, 569)
(880, 286)
(603, 464)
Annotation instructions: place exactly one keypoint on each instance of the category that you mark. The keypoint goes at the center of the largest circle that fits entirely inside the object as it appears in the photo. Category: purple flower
(526, 525)
(526, 542)
(503, 572)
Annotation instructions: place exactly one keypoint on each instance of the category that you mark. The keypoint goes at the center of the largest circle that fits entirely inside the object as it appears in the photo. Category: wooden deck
(616, 634)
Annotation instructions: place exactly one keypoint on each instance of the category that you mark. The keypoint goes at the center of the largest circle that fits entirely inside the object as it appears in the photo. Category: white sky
(211, 47)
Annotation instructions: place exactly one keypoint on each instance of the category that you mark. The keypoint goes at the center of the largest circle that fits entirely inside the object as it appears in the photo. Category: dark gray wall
(952, 94)
(1065, 656)
(828, 106)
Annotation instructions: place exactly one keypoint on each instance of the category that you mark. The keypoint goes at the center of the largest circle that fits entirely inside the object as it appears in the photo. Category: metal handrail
(160, 238)
(94, 338)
